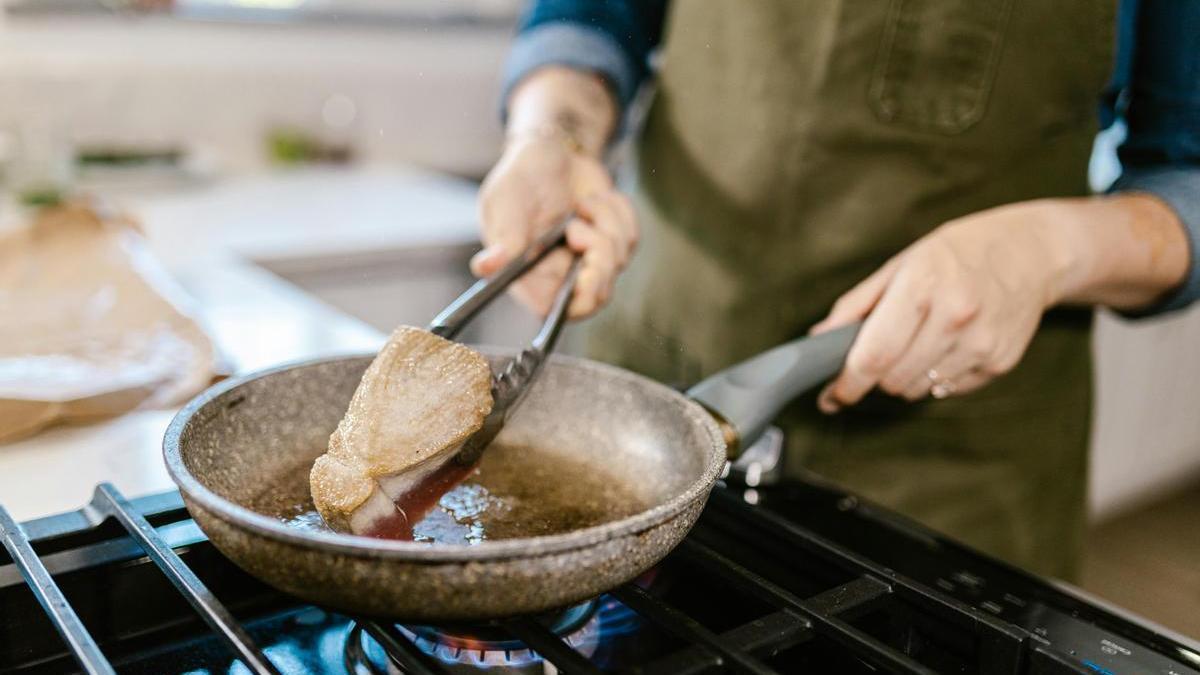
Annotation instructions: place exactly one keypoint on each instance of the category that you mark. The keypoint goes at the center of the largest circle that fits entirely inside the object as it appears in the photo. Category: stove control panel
(1070, 639)
(1097, 649)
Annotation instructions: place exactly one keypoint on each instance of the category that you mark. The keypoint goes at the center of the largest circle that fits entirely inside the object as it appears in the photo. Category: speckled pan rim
(367, 547)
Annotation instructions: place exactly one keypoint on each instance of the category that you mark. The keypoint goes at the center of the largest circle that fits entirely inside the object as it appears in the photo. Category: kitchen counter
(212, 239)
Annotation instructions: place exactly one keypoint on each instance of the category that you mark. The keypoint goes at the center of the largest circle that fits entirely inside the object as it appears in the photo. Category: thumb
(489, 260)
(505, 220)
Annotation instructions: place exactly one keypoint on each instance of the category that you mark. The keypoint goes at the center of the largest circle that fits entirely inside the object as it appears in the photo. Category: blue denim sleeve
(1161, 154)
(613, 38)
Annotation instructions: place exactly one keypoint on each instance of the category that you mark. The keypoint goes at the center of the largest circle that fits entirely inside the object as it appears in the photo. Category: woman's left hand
(952, 311)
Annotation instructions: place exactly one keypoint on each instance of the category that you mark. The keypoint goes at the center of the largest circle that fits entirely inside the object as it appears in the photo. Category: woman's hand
(559, 120)
(538, 181)
(949, 313)
(958, 307)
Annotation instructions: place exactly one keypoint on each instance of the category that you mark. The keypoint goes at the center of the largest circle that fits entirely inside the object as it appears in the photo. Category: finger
(605, 217)
(625, 204)
(929, 381)
(598, 269)
(505, 217)
(488, 261)
(932, 343)
(858, 301)
(910, 378)
(536, 289)
(947, 374)
(964, 384)
(958, 362)
(625, 225)
(626, 218)
(505, 233)
(885, 336)
(970, 381)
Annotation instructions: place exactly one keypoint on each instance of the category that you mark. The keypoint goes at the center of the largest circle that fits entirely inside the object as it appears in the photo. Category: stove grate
(109, 501)
(399, 649)
(51, 598)
(796, 621)
(1000, 647)
(824, 613)
(862, 591)
(551, 647)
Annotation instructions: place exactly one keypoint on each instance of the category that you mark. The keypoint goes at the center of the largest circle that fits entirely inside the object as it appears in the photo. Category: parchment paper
(90, 324)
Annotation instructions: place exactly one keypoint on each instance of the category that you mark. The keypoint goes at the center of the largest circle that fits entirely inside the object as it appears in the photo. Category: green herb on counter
(40, 196)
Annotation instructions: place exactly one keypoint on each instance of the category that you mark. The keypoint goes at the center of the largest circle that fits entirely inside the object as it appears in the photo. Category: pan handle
(746, 397)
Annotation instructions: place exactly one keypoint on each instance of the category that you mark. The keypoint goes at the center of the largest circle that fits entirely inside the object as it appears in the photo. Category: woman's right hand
(539, 179)
(537, 182)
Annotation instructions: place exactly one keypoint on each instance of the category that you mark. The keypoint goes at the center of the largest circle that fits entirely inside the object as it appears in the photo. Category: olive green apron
(793, 146)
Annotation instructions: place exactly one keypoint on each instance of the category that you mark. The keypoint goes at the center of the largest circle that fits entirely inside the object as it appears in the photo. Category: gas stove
(798, 577)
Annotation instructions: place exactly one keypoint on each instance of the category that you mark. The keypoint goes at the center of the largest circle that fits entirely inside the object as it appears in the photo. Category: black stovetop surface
(808, 579)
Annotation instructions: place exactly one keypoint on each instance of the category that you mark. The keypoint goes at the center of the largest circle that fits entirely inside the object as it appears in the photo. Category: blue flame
(616, 619)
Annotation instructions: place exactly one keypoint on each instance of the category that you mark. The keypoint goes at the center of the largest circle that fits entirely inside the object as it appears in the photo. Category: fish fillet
(418, 401)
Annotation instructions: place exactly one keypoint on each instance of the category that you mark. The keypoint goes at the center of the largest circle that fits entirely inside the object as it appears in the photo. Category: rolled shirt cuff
(1179, 188)
(564, 43)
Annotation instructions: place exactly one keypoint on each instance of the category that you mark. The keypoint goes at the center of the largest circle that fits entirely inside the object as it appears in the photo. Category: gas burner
(472, 647)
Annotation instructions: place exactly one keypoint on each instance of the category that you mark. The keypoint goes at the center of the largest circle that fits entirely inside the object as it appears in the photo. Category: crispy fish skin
(418, 401)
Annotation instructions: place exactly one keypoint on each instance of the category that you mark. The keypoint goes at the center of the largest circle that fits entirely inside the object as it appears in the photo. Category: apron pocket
(937, 62)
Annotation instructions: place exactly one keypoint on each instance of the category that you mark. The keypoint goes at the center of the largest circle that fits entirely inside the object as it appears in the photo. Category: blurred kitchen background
(337, 144)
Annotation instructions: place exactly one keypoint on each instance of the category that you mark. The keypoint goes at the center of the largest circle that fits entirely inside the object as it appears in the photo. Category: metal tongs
(514, 379)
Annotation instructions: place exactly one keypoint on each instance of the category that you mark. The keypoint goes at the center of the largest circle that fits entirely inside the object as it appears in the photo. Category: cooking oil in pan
(512, 492)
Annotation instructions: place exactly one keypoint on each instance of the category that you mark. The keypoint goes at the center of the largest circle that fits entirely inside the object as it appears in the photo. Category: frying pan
(256, 434)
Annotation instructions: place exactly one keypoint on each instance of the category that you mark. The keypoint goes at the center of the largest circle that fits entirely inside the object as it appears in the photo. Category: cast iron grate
(871, 615)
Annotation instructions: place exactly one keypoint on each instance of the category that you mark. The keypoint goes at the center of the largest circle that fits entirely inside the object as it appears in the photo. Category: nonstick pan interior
(240, 454)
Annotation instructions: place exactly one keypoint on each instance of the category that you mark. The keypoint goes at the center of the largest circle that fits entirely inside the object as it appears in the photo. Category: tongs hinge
(514, 379)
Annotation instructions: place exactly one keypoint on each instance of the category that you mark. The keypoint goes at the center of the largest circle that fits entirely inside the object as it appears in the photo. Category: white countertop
(208, 238)
(310, 213)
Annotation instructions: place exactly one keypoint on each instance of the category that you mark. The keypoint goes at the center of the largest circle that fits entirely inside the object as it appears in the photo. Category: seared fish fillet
(418, 401)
